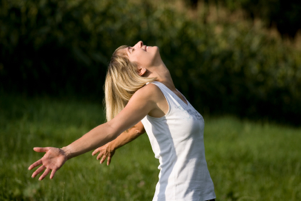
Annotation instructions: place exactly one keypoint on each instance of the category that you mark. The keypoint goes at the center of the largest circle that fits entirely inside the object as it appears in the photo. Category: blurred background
(237, 62)
(226, 56)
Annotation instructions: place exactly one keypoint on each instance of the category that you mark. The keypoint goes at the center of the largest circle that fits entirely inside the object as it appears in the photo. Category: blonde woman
(140, 94)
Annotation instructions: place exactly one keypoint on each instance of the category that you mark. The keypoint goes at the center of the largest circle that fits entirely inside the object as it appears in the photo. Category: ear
(141, 71)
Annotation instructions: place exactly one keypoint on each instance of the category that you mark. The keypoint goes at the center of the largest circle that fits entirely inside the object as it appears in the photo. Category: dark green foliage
(285, 15)
(60, 47)
(51, 46)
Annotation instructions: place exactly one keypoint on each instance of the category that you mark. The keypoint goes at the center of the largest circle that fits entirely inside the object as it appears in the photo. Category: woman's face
(142, 55)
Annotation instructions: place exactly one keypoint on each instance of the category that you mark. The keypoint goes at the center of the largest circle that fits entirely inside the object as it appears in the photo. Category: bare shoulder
(141, 104)
(147, 100)
(149, 92)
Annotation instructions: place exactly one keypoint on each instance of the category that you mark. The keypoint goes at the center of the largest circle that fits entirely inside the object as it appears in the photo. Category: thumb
(41, 149)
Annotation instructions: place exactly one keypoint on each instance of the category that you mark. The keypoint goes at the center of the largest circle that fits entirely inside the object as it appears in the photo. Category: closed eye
(130, 49)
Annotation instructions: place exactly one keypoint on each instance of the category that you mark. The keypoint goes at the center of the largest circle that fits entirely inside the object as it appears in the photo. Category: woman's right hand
(53, 159)
(105, 152)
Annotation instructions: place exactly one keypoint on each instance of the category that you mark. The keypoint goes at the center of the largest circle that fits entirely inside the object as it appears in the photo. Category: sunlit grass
(247, 160)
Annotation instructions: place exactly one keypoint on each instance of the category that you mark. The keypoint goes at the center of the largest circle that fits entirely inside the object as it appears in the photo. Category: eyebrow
(129, 47)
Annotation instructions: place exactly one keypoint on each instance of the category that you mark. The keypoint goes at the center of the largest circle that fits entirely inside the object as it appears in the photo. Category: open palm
(52, 160)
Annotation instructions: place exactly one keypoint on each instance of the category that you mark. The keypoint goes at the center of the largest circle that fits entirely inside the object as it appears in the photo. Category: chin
(156, 49)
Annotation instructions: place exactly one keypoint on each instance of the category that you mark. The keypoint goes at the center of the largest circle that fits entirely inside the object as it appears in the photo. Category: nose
(139, 44)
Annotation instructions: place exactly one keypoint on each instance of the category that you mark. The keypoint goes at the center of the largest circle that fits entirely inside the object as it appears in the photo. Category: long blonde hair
(122, 81)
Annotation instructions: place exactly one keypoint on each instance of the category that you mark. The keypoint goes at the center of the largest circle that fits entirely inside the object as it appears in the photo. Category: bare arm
(139, 106)
(108, 150)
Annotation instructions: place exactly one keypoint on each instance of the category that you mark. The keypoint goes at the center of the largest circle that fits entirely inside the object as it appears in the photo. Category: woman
(138, 88)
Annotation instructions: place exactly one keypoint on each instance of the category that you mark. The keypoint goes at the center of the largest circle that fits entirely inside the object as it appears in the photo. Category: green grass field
(247, 160)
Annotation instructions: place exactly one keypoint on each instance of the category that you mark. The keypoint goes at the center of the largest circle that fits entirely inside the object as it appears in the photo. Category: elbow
(139, 131)
(112, 132)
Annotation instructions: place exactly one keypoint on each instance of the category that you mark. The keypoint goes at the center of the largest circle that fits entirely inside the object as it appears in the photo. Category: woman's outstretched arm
(141, 103)
(108, 150)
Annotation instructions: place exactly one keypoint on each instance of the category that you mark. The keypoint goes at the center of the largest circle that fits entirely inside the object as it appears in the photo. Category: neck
(162, 74)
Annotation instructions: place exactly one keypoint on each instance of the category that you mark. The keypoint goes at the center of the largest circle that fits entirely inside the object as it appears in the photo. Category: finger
(52, 173)
(103, 158)
(40, 169)
(40, 149)
(95, 151)
(109, 160)
(99, 155)
(45, 174)
(35, 164)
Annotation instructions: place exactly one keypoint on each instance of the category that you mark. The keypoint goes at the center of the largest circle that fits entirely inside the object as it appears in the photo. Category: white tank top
(177, 141)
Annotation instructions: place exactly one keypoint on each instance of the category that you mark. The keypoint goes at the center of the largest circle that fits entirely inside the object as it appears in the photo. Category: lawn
(247, 160)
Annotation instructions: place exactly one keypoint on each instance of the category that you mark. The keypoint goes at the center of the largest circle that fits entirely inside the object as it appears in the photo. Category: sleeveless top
(177, 141)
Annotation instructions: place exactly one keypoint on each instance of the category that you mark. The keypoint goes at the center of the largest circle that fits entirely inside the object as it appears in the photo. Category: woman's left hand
(105, 152)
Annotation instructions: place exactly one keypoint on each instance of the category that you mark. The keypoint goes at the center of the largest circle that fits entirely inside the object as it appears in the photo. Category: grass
(247, 160)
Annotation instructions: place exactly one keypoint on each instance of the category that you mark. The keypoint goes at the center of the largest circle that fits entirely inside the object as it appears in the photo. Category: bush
(59, 47)
(285, 15)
